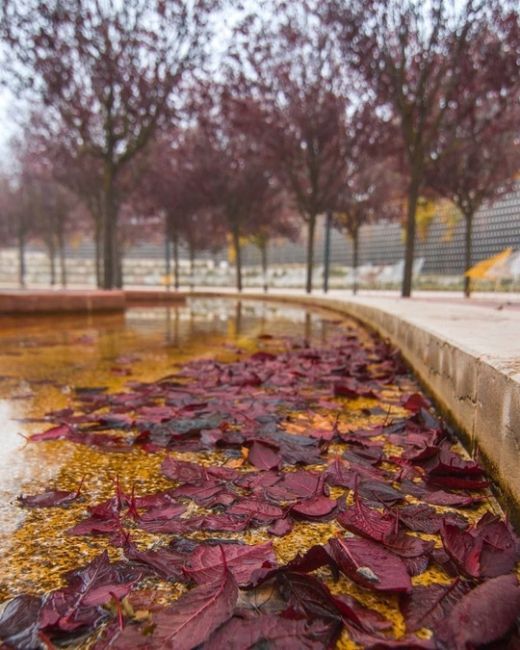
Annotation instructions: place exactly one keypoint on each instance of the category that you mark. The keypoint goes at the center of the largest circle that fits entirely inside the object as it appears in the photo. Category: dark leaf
(369, 564)
(271, 632)
(188, 622)
(484, 615)
(208, 562)
(19, 622)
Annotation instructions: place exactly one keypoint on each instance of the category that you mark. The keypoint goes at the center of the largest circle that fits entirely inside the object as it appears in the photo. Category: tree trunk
(52, 260)
(61, 253)
(263, 253)
(192, 266)
(119, 268)
(167, 254)
(21, 258)
(468, 252)
(238, 256)
(99, 252)
(355, 261)
(111, 270)
(310, 252)
(176, 260)
(413, 197)
(326, 252)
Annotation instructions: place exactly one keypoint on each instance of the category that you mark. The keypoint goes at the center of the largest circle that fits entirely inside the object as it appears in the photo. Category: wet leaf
(19, 622)
(208, 562)
(483, 615)
(369, 564)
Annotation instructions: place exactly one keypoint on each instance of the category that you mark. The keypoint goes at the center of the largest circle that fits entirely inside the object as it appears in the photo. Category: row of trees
(352, 108)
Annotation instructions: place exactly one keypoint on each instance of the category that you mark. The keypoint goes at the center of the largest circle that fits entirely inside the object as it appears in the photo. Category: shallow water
(42, 359)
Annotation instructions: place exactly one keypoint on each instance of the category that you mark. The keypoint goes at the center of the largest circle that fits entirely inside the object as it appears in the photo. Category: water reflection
(42, 358)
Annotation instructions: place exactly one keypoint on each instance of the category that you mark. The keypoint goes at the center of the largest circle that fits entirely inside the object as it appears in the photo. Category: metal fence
(441, 249)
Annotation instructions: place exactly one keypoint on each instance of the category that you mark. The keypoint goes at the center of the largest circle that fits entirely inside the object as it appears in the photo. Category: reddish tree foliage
(106, 73)
(288, 66)
(412, 56)
(478, 153)
(370, 185)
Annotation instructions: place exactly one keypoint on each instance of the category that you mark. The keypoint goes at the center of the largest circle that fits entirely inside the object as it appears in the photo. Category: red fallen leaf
(425, 519)
(187, 623)
(297, 485)
(377, 492)
(96, 525)
(407, 546)
(77, 604)
(60, 432)
(369, 564)
(229, 522)
(19, 623)
(415, 402)
(269, 631)
(342, 474)
(450, 470)
(427, 606)
(307, 596)
(487, 549)
(51, 498)
(315, 508)
(351, 389)
(154, 500)
(207, 562)
(441, 498)
(364, 456)
(262, 356)
(174, 526)
(186, 472)
(372, 642)
(281, 527)
(458, 482)
(206, 495)
(257, 509)
(484, 615)
(167, 511)
(264, 456)
(368, 522)
(183, 471)
(165, 562)
(257, 481)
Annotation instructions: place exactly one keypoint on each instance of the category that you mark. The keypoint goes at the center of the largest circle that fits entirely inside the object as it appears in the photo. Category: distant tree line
(139, 126)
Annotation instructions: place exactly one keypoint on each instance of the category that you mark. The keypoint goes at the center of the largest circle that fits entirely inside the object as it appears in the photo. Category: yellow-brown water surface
(43, 359)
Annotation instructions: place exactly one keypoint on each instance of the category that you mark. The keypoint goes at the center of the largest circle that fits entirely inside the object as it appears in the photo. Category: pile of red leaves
(237, 595)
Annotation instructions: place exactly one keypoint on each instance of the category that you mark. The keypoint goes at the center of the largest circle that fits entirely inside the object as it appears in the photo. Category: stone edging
(478, 392)
(481, 400)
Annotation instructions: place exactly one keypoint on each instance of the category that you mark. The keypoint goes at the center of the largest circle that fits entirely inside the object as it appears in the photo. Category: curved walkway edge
(468, 358)
(466, 354)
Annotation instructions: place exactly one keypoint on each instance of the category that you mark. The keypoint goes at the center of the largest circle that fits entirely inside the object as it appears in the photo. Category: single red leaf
(207, 562)
(316, 508)
(369, 564)
(19, 622)
(189, 621)
(415, 402)
(163, 561)
(368, 522)
(270, 631)
(264, 456)
(484, 615)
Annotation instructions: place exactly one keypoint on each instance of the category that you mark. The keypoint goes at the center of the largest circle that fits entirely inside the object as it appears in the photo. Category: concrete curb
(478, 392)
(53, 302)
(468, 357)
